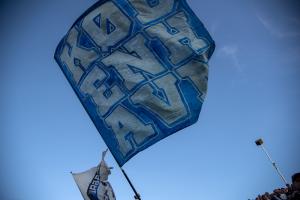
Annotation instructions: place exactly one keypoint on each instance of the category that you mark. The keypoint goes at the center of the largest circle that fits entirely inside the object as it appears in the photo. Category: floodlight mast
(260, 143)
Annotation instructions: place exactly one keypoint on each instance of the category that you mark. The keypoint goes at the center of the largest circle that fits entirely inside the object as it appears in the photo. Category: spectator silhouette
(295, 194)
(289, 193)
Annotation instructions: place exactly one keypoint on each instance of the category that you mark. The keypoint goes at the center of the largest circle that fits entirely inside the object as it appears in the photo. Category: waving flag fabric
(139, 68)
(93, 184)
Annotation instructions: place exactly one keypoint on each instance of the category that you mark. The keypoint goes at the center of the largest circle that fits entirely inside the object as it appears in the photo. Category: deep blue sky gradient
(253, 92)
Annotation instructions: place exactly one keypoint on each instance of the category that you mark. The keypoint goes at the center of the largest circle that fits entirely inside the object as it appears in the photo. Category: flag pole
(131, 185)
(260, 143)
(127, 178)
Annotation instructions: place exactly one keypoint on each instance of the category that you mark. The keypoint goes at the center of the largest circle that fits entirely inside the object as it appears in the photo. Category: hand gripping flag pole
(260, 143)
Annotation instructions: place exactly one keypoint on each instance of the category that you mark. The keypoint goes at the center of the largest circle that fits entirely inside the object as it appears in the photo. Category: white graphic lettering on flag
(139, 68)
(93, 184)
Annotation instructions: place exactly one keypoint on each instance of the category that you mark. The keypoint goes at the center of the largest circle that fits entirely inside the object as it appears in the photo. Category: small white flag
(93, 184)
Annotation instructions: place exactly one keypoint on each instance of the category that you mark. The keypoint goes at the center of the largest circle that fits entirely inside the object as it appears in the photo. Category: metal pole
(127, 178)
(274, 164)
(132, 187)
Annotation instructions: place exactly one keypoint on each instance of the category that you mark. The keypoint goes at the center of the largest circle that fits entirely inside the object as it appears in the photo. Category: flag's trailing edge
(88, 183)
(139, 68)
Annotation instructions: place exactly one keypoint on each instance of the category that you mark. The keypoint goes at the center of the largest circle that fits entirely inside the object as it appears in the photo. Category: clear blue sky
(253, 92)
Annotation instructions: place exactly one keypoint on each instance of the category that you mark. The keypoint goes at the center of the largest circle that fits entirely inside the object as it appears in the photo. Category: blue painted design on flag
(139, 68)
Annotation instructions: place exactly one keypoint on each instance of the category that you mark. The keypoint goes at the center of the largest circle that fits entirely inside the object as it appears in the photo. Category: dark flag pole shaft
(260, 143)
(131, 185)
(127, 178)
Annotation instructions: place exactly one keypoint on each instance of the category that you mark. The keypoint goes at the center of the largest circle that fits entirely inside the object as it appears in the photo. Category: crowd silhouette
(290, 192)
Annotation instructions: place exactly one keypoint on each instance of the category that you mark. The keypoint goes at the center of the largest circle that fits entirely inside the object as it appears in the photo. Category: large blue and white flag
(139, 68)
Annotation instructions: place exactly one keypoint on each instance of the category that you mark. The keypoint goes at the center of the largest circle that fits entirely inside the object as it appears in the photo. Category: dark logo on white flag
(100, 190)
